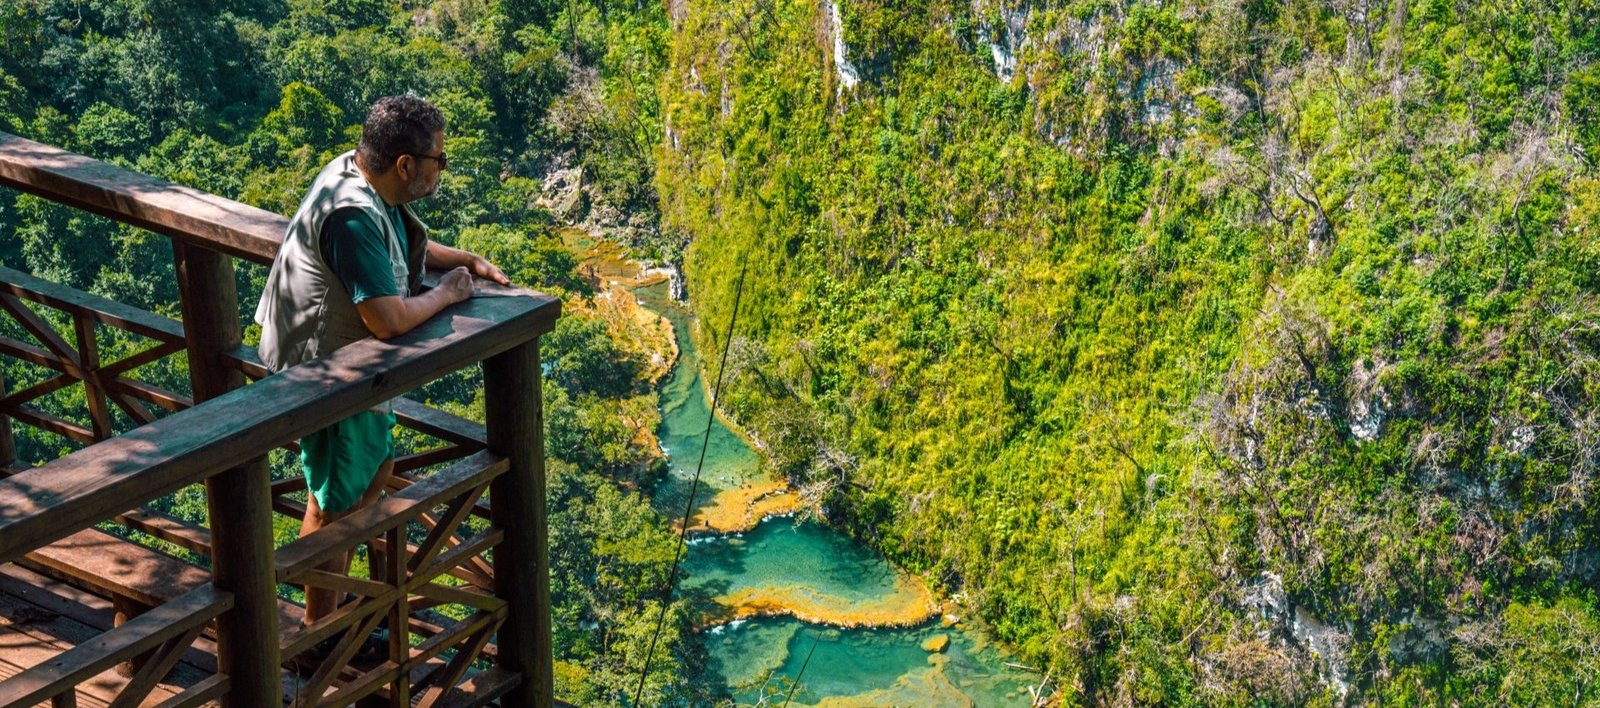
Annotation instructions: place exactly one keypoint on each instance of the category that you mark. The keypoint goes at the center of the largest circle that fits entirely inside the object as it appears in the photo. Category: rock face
(1328, 647)
(570, 194)
(563, 194)
(936, 643)
(1006, 40)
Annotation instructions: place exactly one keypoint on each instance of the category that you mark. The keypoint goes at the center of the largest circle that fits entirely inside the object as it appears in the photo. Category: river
(777, 591)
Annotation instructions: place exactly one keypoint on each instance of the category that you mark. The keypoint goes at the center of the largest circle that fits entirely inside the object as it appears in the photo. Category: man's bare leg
(321, 602)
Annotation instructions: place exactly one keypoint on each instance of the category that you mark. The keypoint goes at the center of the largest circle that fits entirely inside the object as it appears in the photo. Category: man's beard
(418, 188)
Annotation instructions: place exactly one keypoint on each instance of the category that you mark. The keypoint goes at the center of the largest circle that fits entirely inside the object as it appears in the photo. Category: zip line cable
(796, 685)
(694, 486)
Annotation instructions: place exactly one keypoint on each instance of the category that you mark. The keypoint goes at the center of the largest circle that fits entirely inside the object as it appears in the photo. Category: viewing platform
(89, 616)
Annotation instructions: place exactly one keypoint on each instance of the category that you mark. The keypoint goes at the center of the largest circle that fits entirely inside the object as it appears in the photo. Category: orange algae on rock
(739, 509)
(927, 687)
(910, 604)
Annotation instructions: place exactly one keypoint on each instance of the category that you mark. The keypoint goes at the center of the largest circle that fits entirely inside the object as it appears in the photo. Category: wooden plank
(446, 595)
(119, 568)
(60, 426)
(45, 387)
(445, 426)
(137, 636)
(188, 446)
(179, 533)
(99, 309)
(481, 689)
(429, 458)
(30, 636)
(182, 213)
(87, 608)
(54, 596)
(161, 397)
(247, 361)
(401, 480)
(202, 693)
(31, 354)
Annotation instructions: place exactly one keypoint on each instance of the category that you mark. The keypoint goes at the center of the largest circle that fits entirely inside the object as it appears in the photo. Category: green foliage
(1207, 292)
(581, 356)
(541, 261)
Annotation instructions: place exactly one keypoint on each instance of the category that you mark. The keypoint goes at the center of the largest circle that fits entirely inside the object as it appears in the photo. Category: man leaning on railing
(351, 266)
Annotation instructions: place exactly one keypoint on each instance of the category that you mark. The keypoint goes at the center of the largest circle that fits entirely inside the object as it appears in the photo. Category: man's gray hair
(397, 125)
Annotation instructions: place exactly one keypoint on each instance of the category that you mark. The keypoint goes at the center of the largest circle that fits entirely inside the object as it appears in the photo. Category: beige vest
(305, 312)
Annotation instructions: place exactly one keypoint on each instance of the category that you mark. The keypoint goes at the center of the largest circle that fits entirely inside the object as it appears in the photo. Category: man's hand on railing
(458, 283)
(482, 268)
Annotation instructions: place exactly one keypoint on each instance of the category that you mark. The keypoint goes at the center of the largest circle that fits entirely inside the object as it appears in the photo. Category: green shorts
(341, 460)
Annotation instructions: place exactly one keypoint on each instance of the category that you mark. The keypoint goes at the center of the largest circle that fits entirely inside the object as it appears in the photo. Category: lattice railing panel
(407, 588)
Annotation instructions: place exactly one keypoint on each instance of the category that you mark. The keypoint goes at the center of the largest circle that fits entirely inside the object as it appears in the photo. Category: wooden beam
(94, 307)
(8, 445)
(522, 563)
(185, 214)
(437, 423)
(134, 361)
(93, 393)
(31, 354)
(127, 388)
(238, 500)
(55, 424)
(42, 331)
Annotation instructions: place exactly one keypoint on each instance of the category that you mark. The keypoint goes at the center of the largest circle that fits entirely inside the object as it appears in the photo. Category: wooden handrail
(102, 481)
(223, 440)
(185, 214)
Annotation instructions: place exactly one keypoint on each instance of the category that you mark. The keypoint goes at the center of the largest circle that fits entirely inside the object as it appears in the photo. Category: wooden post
(239, 500)
(514, 421)
(8, 446)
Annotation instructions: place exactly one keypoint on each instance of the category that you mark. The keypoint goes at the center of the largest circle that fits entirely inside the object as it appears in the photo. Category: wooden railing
(221, 438)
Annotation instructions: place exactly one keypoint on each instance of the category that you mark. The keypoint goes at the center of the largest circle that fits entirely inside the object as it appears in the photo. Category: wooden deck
(41, 617)
(89, 617)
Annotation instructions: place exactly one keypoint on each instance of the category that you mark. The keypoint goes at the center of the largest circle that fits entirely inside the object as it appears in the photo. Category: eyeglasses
(442, 158)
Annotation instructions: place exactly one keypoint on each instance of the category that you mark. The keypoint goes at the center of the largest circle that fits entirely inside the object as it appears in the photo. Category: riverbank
(757, 560)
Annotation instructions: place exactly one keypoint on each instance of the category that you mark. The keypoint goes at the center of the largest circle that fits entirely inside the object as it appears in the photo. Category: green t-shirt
(355, 251)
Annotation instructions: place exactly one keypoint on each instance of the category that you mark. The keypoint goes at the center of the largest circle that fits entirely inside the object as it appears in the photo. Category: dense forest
(249, 99)
(1215, 352)
(1208, 352)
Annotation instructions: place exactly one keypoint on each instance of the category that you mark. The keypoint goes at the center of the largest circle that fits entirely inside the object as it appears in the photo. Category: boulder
(936, 643)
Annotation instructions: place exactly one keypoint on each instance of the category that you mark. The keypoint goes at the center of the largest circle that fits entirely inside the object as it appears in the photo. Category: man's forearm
(443, 257)
(393, 316)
